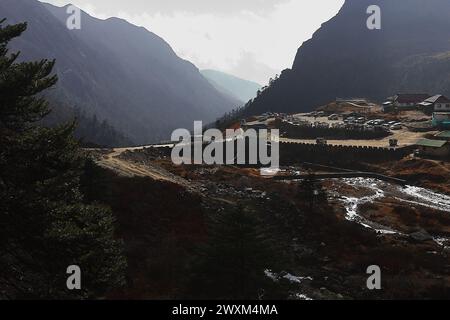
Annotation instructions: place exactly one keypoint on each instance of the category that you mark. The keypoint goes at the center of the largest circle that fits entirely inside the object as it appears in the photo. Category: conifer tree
(311, 191)
(232, 264)
(44, 225)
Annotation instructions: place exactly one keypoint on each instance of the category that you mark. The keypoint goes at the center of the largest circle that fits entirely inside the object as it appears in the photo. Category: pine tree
(311, 192)
(44, 225)
(232, 264)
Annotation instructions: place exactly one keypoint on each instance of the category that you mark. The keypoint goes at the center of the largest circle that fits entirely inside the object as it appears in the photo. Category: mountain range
(240, 89)
(116, 72)
(410, 53)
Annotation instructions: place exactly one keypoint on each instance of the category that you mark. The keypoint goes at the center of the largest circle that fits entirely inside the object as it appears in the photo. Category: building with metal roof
(444, 135)
(433, 148)
(404, 101)
(437, 103)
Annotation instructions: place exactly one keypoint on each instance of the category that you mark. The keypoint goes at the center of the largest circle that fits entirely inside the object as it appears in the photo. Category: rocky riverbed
(383, 207)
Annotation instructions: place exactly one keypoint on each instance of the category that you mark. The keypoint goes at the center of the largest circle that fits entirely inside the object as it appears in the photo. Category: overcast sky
(252, 39)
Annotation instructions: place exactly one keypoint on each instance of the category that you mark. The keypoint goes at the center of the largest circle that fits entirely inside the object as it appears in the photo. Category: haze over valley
(256, 151)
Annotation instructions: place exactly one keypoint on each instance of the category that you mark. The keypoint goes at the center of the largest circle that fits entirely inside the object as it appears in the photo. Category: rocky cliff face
(344, 58)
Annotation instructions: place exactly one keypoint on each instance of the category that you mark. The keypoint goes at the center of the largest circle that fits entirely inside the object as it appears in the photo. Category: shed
(433, 148)
(444, 135)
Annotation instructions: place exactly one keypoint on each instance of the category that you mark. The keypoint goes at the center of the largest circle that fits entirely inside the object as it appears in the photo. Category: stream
(377, 189)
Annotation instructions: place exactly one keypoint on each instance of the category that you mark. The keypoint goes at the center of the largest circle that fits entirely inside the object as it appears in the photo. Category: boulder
(421, 235)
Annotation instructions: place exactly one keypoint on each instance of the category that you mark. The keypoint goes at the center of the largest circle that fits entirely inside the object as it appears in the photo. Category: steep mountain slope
(344, 58)
(241, 89)
(121, 73)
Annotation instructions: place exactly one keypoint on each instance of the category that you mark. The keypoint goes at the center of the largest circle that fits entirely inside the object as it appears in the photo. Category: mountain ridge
(119, 72)
(239, 88)
(346, 59)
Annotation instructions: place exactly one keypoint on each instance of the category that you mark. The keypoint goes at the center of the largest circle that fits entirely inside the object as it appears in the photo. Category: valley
(333, 174)
(324, 246)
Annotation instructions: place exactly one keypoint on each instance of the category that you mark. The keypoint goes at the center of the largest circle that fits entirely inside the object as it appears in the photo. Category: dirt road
(114, 161)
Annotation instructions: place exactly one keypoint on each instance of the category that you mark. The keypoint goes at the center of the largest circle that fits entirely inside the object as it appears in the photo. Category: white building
(437, 103)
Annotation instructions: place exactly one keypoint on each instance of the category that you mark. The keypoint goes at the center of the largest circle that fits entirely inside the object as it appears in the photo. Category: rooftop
(411, 97)
(437, 98)
(431, 143)
(443, 134)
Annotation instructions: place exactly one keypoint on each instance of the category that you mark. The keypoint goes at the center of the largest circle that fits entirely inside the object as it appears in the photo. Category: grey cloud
(247, 67)
(172, 6)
